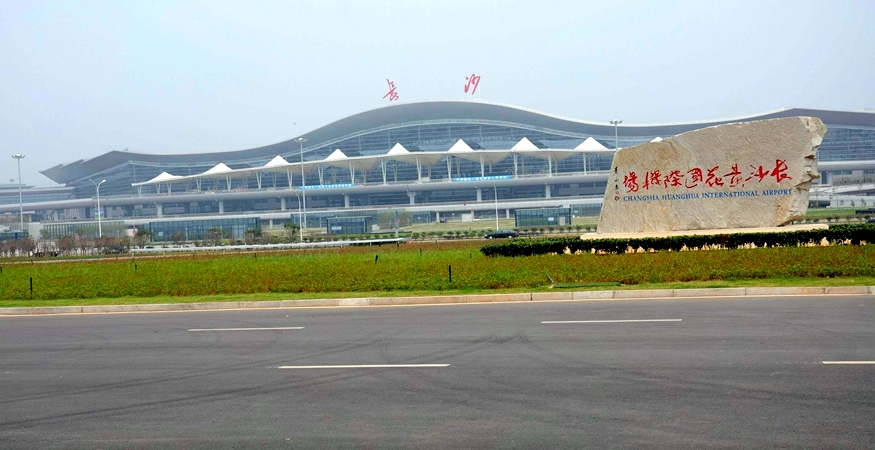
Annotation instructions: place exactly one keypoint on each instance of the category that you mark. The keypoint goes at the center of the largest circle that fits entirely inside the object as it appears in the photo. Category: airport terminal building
(429, 161)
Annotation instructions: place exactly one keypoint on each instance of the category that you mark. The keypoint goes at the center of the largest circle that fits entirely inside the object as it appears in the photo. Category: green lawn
(418, 269)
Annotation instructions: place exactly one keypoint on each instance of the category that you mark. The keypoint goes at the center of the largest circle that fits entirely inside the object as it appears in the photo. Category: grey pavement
(730, 372)
(553, 295)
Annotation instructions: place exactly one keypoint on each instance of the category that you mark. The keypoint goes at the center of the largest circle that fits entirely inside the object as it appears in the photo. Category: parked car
(870, 220)
(502, 234)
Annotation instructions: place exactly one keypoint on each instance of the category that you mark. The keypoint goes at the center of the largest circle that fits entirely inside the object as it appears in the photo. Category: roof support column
(282, 203)
(351, 173)
(321, 171)
(197, 181)
(289, 175)
(383, 163)
(258, 179)
(515, 172)
(228, 180)
(418, 171)
(482, 169)
(479, 195)
(449, 168)
(549, 166)
(584, 163)
(346, 200)
(139, 191)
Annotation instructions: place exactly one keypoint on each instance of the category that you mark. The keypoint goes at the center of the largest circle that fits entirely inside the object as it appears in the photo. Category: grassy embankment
(418, 269)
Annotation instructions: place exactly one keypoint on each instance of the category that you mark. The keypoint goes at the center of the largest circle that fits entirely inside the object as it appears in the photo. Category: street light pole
(616, 123)
(495, 191)
(303, 219)
(300, 217)
(99, 227)
(19, 156)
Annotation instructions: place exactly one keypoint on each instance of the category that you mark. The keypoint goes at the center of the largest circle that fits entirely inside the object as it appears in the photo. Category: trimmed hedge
(853, 234)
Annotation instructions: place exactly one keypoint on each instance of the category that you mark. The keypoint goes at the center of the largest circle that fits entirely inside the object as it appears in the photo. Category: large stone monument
(738, 175)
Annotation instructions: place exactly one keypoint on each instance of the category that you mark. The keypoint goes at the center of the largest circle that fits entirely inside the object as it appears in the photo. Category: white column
(282, 203)
(346, 200)
(547, 190)
(479, 195)
(159, 209)
(221, 206)
(412, 196)
(449, 168)
(515, 172)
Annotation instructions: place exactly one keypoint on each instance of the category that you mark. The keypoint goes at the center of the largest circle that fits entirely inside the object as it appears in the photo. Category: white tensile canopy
(590, 145)
(526, 147)
(163, 177)
(460, 150)
(339, 159)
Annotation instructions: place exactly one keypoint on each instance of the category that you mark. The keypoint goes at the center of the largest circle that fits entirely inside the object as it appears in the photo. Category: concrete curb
(435, 300)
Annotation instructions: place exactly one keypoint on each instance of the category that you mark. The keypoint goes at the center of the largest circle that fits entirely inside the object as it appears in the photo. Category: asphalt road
(729, 372)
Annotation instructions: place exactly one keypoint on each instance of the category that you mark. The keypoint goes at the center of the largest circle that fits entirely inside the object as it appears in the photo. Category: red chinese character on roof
(472, 82)
(735, 177)
(780, 168)
(652, 179)
(673, 178)
(392, 94)
(631, 182)
(713, 180)
(696, 177)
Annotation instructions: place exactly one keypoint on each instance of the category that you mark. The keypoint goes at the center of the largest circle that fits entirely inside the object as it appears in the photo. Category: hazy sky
(78, 79)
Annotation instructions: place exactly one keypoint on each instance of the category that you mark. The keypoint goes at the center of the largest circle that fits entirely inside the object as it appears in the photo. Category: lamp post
(99, 228)
(301, 141)
(616, 123)
(495, 191)
(300, 217)
(19, 157)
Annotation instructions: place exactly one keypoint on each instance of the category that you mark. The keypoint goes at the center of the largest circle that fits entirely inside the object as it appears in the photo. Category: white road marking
(613, 321)
(849, 362)
(365, 366)
(246, 329)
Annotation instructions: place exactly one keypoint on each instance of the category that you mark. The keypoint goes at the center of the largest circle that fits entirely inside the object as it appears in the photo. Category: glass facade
(84, 229)
(199, 229)
(348, 225)
(547, 217)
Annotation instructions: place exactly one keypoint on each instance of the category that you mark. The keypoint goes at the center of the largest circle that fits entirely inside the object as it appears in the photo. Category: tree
(83, 243)
(178, 238)
(253, 236)
(214, 236)
(66, 244)
(123, 244)
(25, 246)
(143, 236)
(291, 230)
